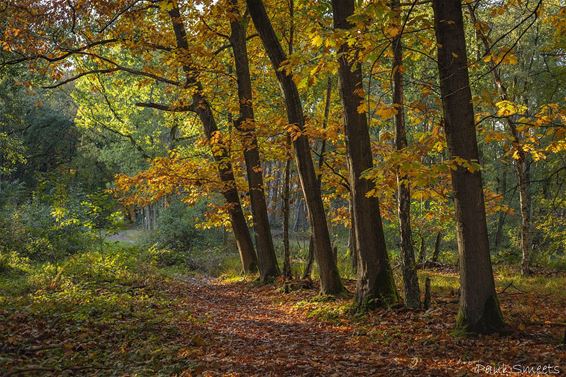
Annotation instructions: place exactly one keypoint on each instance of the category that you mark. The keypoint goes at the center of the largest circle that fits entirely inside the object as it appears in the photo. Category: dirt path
(248, 332)
(129, 236)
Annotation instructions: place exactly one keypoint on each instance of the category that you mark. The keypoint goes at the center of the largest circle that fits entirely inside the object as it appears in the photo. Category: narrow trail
(247, 330)
(128, 236)
(250, 331)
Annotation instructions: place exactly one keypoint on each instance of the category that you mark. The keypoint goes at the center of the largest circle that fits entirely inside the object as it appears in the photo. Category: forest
(282, 187)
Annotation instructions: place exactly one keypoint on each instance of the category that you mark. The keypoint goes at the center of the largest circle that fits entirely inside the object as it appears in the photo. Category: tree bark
(410, 278)
(220, 153)
(502, 215)
(300, 223)
(422, 250)
(436, 252)
(479, 308)
(245, 124)
(286, 249)
(375, 284)
(352, 238)
(310, 259)
(521, 163)
(521, 167)
(330, 282)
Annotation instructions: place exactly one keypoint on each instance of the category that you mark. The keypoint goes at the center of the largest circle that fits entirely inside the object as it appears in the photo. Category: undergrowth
(109, 312)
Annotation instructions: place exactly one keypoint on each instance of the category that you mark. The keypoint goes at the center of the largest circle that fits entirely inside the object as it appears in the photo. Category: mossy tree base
(382, 294)
(489, 322)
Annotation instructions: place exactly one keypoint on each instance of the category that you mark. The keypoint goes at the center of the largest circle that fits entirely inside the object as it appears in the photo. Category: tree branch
(171, 108)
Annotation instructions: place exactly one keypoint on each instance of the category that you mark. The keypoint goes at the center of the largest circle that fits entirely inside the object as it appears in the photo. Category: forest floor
(258, 330)
(109, 316)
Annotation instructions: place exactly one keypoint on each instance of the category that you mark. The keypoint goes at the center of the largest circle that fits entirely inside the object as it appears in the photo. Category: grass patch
(325, 308)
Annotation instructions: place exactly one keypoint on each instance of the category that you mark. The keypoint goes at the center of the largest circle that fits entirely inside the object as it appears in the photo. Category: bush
(34, 231)
(176, 228)
(166, 257)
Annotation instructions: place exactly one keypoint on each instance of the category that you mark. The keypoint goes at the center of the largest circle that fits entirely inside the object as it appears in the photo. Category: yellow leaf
(316, 41)
(508, 108)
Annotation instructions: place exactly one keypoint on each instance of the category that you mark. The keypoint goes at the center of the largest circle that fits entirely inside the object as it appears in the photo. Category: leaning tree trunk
(479, 307)
(330, 282)
(375, 284)
(267, 260)
(521, 163)
(310, 259)
(220, 152)
(410, 278)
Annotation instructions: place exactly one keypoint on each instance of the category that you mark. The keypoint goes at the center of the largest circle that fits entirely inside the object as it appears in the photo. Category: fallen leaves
(219, 328)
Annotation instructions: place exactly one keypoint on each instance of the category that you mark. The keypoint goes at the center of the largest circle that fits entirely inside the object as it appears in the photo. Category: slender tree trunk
(310, 259)
(245, 124)
(437, 242)
(521, 163)
(330, 281)
(220, 153)
(479, 308)
(501, 216)
(308, 268)
(525, 203)
(300, 216)
(410, 278)
(352, 245)
(422, 250)
(375, 279)
(287, 183)
(286, 249)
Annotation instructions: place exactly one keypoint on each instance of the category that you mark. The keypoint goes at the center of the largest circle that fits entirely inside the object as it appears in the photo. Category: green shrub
(50, 227)
(167, 257)
(176, 228)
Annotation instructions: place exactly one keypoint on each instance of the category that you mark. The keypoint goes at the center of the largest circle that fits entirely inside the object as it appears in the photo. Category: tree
(375, 280)
(410, 278)
(330, 282)
(479, 308)
(521, 162)
(202, 107)
(267, 260)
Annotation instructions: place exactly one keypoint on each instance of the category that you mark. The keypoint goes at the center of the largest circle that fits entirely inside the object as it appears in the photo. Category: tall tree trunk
(375, 284)
(286, 249)
(437, 242)
(299, 216)
(287, 184)
(501, 216)
(220, 153)
(330, 282)
(410, 278)
(422, 250)
(310, 258)
(479, 308)
(521, 166)
(245, 124)
(521, 163)
(352, 238)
